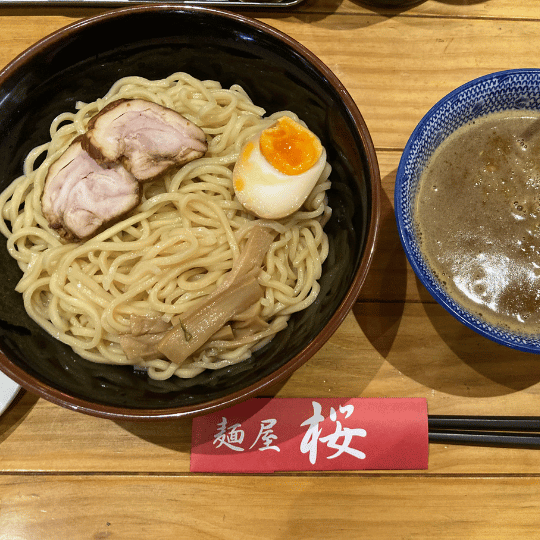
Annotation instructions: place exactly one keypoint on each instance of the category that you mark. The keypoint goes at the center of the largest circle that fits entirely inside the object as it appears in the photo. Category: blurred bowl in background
(392, 3)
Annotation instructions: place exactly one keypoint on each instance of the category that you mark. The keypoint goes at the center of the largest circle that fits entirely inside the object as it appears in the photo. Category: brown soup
(478, 217)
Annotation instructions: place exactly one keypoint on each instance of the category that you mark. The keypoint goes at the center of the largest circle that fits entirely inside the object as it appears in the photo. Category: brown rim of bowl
(120, 413)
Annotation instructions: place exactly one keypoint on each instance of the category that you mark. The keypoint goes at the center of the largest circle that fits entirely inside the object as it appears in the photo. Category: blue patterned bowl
(506, 90)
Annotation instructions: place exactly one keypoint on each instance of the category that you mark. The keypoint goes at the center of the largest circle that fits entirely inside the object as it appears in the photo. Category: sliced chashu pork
(144, 136)
(81, 195)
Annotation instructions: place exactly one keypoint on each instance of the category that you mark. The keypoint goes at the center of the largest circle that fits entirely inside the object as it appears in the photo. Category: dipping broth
(478, 218)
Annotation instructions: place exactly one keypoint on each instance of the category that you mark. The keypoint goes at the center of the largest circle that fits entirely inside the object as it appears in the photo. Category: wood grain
(280, 507)
(64, 475)
(380, 66)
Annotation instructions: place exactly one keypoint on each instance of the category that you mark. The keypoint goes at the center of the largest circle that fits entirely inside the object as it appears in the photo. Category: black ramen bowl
(81, 62)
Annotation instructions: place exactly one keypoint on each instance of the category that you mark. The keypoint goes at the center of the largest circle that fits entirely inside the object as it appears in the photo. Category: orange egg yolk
(289, 147)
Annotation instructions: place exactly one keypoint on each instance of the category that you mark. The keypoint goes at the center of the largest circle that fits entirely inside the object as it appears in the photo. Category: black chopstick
(494, 423)
(507, 431)
(485, 438)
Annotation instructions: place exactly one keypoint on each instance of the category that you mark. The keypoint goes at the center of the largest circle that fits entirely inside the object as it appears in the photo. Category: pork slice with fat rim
(80, 195)
(146, 137)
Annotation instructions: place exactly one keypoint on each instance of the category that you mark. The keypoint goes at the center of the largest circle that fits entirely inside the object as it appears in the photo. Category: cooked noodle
(173, 249)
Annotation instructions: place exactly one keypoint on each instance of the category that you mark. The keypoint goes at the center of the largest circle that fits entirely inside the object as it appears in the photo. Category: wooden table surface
(64, 475)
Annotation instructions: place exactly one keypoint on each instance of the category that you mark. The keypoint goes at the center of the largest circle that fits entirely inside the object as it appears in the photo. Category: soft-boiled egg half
(278, 168)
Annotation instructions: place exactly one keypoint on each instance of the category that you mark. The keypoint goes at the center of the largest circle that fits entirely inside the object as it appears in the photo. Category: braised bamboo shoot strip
(202, 323)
